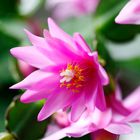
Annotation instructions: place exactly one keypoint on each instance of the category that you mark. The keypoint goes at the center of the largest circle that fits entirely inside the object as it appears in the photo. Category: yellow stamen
(72, 78)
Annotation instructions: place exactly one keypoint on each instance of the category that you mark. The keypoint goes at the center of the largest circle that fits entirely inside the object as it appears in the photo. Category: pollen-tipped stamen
(73, 78)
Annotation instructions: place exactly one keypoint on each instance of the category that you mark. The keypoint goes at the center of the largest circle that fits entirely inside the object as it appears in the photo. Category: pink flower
(68, 74)
(130, 14)
(114, 120)
(71, 7)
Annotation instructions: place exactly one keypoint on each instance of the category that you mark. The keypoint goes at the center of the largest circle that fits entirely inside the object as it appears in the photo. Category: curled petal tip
(40, 117)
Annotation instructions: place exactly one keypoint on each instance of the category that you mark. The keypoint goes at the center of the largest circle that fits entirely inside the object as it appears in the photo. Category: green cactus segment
(21, 120)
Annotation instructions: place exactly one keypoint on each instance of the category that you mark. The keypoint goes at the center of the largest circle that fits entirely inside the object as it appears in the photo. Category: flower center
(72, 78)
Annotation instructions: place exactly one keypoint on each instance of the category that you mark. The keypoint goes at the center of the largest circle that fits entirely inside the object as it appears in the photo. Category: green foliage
(21, 120)
(8, 8)
(124, 68)
(7, 42)
(11, 35)
(105, 22)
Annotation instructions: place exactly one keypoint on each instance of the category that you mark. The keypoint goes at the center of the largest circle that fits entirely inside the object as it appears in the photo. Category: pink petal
(94, 58)
(78, 131)
(36, 40)
(33, 96)
(51, 47)
(58, 135)
(132, 102)
(100, 101)
(101, 119)
(90, 95)
(78, 107)
(117, 106)
(32, 79)
(133, 117)
(54, 68)
(51, 129)
(71, 131)
(31, 56)
(58, 52)
(103, 75)
(81, 127)
(118, 128)
(130, 14)
(82, 43)
(57, 32)
(58, 100)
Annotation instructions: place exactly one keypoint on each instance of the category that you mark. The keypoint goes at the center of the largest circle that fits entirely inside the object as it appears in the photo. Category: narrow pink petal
(118, 128)
(59, 49)
(117, 106)
(35, 40)
(76, 129)
(78, 107)
(58, 135)
(101, 119)
(133, 117)
(77, 132)
(130, 14)
(58, 100)
(54, 68)
(82, 43)
(32, 79)
(100, 101)
(51, 82)
(132, 102)
(94, 58)
(90, 94)
(64, 48)
(103, 76)
(31, 56)
(51, 129)
(57, 32)
(82, 127)
(33, 96)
